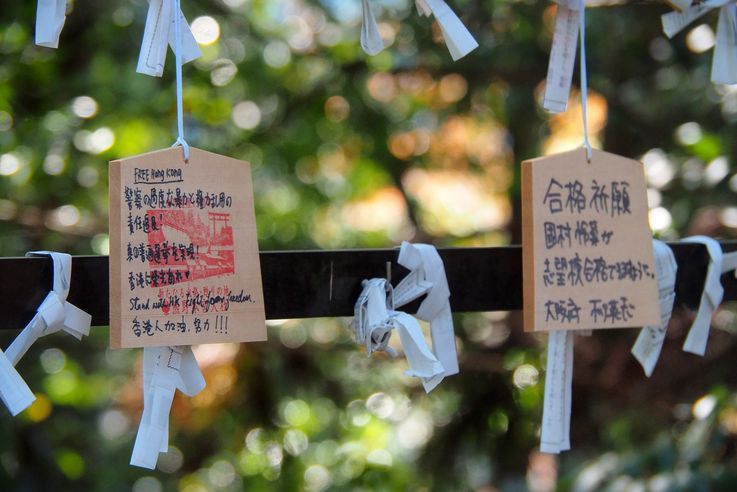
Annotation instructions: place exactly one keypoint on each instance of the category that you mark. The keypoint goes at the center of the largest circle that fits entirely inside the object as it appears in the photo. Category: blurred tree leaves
(351, 151)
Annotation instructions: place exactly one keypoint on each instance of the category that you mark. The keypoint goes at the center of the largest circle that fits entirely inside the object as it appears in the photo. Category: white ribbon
(427, 274)
(374, 321)
(55, 313)
(649, 343)
(458, 38)
(371, 41)
(160, 33)
(165, 369)
(556, 423)
(50, 17)
(712, 296)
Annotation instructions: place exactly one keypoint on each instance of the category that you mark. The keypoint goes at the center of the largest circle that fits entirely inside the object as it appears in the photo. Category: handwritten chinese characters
(588, 260)
(184, 265)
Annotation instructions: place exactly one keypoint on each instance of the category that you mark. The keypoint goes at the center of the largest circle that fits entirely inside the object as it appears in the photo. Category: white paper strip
(680, 5)
(54, 313)
(371, 41)
(49, 318)
(562, 60)
(675, 22)
(571, 4)
(556, 423)
(649, 342)
(422, 362)
(14, 392)
(374, 322)
(729, 263)
(458, 39)
(711, 298)
(426, 268)
(724, 61)
(158, 394)
(159, 33)
(423, 8)
(371, 322)
(165, 369)
(50, 18)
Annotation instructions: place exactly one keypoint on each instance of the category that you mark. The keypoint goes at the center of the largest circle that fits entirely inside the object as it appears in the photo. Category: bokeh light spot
(206, 30)
(84, 107)
(700, 38)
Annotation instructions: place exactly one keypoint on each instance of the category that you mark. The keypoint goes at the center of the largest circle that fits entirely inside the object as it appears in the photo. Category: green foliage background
(427, 150)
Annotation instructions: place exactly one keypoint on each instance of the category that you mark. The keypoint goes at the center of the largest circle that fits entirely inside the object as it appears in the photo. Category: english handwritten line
(144, 181)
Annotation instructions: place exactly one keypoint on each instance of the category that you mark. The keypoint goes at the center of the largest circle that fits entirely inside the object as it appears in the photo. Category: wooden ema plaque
(587, 247)
(184, 263)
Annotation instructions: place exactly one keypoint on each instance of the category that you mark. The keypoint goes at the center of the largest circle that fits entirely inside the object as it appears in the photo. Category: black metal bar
(297, 284)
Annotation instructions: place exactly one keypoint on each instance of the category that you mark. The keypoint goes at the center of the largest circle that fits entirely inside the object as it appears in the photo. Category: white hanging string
(584, 81)
(178, 56)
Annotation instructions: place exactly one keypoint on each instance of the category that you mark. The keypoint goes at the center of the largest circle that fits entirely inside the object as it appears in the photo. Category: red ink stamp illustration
(191, 244)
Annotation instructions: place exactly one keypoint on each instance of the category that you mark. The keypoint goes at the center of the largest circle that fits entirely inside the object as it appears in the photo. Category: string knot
(185, 147)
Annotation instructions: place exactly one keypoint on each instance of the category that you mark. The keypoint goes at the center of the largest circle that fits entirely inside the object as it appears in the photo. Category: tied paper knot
(54, 314)
(649, 342)
(724, 60)
(374, 321)
(458, 38)
(712, 295)
(160, 33)
(376, 315)
(165, 369)
(427, 274)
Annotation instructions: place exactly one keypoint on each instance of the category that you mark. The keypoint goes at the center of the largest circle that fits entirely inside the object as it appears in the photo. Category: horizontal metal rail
(309, 284)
